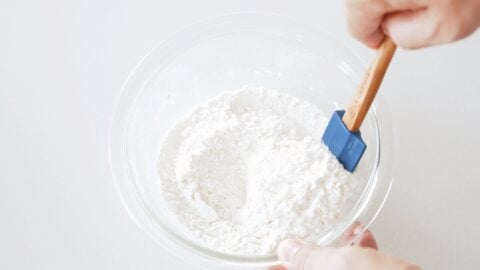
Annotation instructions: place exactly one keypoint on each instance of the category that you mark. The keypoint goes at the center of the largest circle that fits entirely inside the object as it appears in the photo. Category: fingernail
(287, 249)
(358, 230)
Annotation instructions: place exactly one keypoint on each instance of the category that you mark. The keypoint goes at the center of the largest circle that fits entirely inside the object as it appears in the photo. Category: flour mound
(248, 169)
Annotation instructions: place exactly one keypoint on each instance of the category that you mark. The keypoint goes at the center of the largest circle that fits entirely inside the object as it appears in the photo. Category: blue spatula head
(347, 146)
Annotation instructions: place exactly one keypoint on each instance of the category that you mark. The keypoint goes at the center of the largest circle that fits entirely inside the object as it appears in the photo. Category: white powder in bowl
(248, 169)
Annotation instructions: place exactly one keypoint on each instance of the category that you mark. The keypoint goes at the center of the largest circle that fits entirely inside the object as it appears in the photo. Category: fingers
(349, 234)
(366, 239)
(366, 20)
(412, 24)
(288, 249)
(277, 267)
(429, 26)
(297, 255)
(411, 29)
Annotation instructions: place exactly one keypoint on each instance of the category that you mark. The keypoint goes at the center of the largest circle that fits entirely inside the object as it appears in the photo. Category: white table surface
(62, 64)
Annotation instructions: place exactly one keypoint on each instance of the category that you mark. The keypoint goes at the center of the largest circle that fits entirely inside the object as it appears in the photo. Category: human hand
(412, 23)
(361, 255)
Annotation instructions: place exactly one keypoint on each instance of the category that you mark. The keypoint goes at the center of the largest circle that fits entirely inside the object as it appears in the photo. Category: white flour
(248, 169)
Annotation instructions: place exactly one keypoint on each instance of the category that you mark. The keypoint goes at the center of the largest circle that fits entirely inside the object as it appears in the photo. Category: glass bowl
(222, 54)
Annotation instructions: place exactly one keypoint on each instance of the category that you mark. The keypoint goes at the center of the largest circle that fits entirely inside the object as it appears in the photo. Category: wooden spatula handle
(367, 90)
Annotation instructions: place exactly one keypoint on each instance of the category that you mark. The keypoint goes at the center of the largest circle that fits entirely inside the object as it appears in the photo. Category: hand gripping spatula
(342, 135)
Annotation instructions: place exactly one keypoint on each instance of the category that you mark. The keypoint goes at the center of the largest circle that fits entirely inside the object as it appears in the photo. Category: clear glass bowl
(222, 54)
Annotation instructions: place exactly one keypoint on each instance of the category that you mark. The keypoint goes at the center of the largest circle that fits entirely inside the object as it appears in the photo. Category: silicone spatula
(342, 135)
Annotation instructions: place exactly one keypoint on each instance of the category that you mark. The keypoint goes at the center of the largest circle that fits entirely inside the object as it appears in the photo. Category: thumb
(298, 255)
(412, 29)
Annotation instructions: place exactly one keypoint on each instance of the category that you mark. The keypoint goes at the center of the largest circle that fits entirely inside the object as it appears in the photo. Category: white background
(62, 65)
